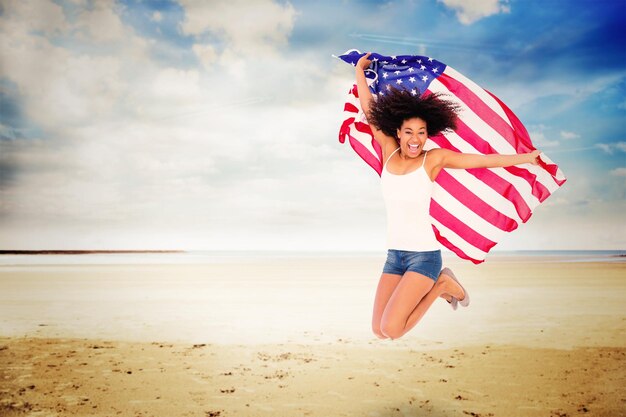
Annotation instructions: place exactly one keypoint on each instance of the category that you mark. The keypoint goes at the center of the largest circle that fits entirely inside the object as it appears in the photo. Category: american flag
(471, 209)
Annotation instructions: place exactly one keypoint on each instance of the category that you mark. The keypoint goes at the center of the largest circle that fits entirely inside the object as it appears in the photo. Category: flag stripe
(501, 186)
(553, 170)
(445, 242)
(488, 194)
(505, 123)
(556, 174)
(345, 129)
(456, 241)
(480, 92)
(365, 153)
(538, 189)
(472, 128)
(467, 216)
(471, 236)
(484, 112)
(351, 108)
(467, 141)
(474, 203)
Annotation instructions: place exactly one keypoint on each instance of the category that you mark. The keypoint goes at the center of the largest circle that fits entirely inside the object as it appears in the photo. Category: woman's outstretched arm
(445, 158)
(451, 159)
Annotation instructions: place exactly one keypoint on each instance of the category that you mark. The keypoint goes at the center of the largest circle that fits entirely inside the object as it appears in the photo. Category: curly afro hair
(389, 111)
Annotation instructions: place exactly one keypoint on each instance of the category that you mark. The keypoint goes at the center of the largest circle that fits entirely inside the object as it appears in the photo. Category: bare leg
(444, 285)
(411, 299)
(408, 294)
(386, 286)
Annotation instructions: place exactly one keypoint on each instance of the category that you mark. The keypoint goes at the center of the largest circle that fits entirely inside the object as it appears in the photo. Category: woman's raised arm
(366, 98)
(365, 95)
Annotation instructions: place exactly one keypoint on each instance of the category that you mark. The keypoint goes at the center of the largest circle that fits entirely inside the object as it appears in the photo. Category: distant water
(212, 257)
(188, 257)
(566, 255)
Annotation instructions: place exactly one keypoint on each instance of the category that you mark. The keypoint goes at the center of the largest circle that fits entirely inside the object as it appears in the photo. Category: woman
(412, 278)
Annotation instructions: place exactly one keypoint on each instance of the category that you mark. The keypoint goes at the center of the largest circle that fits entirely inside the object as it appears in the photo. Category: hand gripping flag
(471, 209)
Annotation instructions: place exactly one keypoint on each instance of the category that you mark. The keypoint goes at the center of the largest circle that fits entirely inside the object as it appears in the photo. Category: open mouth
(414, 147)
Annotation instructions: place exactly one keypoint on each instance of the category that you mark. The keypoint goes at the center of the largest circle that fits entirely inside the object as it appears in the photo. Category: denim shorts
(426, 263)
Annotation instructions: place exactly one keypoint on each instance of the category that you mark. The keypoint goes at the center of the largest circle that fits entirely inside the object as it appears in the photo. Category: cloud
(612, 147)
(44, 17)
(246, 27)
(100, 23)
(569, 135)
(134, 145)
(62, 87)
(206, 54)
(470, 11)
(619, 172)
(539, 139)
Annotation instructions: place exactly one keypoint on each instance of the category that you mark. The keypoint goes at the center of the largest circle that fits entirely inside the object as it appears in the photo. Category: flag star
(385, 62)
(381, 94)
(374, 59)
(419, 61)
(424, 78)
(403, 61)
(411, 69)
(423, 68)
(412, 79)
(435, 70)
(399, 81)
(388, 87)
(397, 72)
(393, 57)
(414, 92)
(430, 60)
(385, 75)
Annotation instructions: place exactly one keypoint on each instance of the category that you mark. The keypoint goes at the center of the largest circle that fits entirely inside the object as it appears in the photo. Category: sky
(212, 125)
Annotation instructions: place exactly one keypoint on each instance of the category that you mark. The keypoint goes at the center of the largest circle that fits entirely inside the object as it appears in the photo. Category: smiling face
(412, 135)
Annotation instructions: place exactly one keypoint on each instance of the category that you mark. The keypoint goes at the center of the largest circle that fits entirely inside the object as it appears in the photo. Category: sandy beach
(290, 337)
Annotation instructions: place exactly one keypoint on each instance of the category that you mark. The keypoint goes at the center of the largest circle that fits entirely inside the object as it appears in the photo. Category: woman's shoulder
(435, 155)
(433, 162)
(388, 150)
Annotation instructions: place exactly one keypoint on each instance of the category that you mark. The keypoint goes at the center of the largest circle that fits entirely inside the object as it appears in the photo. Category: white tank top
(407, 198)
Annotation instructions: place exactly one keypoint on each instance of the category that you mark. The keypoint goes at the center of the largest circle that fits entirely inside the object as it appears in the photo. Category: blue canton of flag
(409, 72)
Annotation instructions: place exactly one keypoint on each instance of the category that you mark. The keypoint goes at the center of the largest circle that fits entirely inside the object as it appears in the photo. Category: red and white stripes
(471, 209)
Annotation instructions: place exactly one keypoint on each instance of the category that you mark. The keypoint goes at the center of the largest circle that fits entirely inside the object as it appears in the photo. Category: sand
(290, 337)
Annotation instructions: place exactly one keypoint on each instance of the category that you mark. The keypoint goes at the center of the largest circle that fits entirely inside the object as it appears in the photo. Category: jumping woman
(412, 277)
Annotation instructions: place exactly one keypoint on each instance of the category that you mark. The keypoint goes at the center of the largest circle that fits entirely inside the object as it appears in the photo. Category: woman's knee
(376, 330)
(381, 335)
(391, 330)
